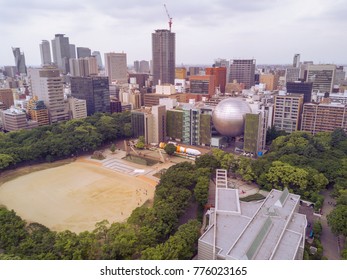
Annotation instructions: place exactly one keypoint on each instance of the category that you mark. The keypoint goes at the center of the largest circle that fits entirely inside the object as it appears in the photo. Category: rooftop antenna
(168, 15)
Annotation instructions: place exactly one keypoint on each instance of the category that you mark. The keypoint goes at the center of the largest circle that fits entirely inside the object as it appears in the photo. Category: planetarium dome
(229, 116)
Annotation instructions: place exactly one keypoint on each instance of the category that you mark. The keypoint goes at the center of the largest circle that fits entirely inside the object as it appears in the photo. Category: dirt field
(75, 196)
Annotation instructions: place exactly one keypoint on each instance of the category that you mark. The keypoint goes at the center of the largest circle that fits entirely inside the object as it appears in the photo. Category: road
(331, 248)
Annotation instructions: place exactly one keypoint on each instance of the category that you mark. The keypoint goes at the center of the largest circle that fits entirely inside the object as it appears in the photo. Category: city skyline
(269, 31)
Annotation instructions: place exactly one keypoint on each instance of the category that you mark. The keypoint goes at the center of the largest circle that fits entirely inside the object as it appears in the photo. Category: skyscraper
(322, 77)
(61, 52)
(95, 90)
(243, 71)
(19, 59)
(163, 56)
(116, 67)
(47, 84)
(296, 60)
(45, 52)
(98, 58)
(83, 52)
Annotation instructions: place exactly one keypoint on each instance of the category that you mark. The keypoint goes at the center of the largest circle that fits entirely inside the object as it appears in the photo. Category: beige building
(324, 117)
(47, 84)
(116, 67)
(287, 112)
(270, 80)
(180, 73)
(13, 119)
(6, 97)
(78, 108)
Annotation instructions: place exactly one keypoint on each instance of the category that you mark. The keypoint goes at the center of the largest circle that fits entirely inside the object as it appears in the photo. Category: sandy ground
(75, 196)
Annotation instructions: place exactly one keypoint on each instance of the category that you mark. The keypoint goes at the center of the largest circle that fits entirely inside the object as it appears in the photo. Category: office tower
(163, 56)
(83, 52)
(116, 67)
(296, 60)
(340, 75)
(202, 85)
(300, 87)
(137, 66)
(10, 71)
(115, 106)
(98, 58)
(292, 74)
(180, 73)
(144, 66)
(243, 71)
(78, 108)
(159, 124)
(221, 62)
(45, 51)
(322, 76)
(271, 81)
(72, 51)
(287, 112)
(95, 90)
(19, 60)
(141, 79)
(47, 84)
(83, 67)
(237, 230)
(220, 75)
(61, 52)
(6, 97)
(324, 117)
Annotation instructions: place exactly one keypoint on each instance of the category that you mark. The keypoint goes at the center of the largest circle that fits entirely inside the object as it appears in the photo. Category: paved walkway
(331, 248)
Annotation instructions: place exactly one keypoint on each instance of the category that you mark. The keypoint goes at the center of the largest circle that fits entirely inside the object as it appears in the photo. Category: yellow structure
(180, 73)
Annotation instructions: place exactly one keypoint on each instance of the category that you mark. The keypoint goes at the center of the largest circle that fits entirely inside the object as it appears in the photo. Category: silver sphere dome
(229, 116)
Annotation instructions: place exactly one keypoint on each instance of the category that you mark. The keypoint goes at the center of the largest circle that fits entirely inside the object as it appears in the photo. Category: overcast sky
(270, 31)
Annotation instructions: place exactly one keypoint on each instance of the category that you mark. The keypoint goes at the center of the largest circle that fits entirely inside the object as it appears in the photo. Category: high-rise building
(219, 74)
(292, 74)
(45, 51)
(243, 70)
(19, 60)
(202, 85)
(270, 80)
(83, 67)
(116, 67)
(83, 52)
(6, 97)
(47, 84)
(61, 52)
(324, 117)
(221, 62)
(98, 58)
(137, 66)
(72, 48)
(194, 71)
(255, 132)
(95, 90)
(296, 60)
(287, 112)
(322, 76)
(144, 66)
(163, 56)
(300, 87)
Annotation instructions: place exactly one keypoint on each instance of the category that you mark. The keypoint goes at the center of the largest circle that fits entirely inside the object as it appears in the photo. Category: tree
(5, 160)
(140, 143)
(113, 148)
(208, 161)
(337, 220)
(201, 190)
(170, 149)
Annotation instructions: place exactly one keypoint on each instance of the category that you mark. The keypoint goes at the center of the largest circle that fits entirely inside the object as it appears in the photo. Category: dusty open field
(75, 196)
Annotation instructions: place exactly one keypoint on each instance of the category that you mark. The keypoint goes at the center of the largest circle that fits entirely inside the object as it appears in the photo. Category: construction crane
(168, 15)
